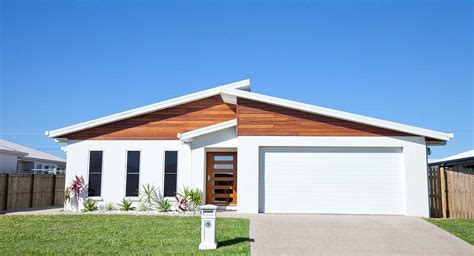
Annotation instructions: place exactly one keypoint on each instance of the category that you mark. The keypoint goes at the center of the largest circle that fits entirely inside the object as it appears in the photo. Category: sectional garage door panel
(331, 180)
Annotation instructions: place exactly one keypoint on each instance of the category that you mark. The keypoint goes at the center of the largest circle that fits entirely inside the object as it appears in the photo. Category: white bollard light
(208, 227)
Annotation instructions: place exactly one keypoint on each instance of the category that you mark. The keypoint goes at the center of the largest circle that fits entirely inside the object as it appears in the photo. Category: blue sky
(65, 62)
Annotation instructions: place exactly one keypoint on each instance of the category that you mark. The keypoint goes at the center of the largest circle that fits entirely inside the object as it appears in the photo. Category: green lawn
(116, 234)
(462, 228)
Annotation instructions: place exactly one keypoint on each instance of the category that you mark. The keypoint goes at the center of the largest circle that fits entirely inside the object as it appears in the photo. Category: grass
(462, 228)
(117, 234)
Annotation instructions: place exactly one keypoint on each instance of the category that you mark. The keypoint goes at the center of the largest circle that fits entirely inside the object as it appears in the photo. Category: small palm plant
(195, 198)
(189, 199)
(109, 207)
(67, 195)
(126, 205)
(148, 196)
(89, 205)
(164, 205)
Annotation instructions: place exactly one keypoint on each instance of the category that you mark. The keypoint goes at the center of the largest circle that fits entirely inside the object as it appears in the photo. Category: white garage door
(331, 180)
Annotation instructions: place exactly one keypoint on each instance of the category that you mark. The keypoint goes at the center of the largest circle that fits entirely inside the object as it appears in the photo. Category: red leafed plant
(77, 185)
(182, 203)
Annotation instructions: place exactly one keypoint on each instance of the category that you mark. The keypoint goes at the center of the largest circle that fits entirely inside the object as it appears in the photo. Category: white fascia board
(240, 85)
(27, 158)
(339, 114)
(13, 152)
(244, 84)
(188, 136)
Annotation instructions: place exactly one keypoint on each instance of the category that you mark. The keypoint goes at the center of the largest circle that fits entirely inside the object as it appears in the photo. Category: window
(171, 172)
(223, 158)
(133, 173)
(223, 166)
(39, 166)
(95, 173)
(46, 167)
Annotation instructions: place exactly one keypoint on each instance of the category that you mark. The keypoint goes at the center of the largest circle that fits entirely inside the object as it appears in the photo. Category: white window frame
(95, 198)
(164, 174)
(133, 198)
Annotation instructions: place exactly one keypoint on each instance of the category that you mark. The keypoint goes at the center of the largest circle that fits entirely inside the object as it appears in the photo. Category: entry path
(275, 234)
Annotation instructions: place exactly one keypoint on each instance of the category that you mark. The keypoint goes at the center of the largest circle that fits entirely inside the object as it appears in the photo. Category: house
(255, 153)
(461, 160)
(16, 158)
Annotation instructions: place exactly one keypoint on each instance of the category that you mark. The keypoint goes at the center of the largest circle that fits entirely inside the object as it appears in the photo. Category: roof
(468, 155)
(241, 85)
(241, 89)
(28, 153)
(5, 149)
(340, 114)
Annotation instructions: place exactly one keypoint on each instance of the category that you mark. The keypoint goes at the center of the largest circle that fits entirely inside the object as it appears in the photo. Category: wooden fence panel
(3, 191)
(43, 191)
(59, 190)
(434, 193)
(460, 193)
(457, 199)
(19, 191)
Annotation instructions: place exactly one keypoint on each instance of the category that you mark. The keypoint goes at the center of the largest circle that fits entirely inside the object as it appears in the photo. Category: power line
(22, 133)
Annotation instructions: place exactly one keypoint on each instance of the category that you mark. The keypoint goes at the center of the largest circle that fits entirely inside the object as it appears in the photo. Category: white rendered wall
(414, 162)
(8, 163)
(114, 164)
(224, 140)
(191, 161)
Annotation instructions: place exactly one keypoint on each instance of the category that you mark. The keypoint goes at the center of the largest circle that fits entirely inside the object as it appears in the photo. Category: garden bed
(143, 213)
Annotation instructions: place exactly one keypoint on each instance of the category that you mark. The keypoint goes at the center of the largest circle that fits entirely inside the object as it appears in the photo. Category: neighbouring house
(16, 158)
(461, 160)
(256, 154)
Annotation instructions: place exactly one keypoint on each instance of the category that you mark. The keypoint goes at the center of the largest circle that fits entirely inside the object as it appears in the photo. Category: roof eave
(13, 152)
(30, 158)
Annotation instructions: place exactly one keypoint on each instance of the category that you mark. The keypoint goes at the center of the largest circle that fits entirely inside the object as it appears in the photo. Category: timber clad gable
(163, 124)
(253, 119)
(261, 119)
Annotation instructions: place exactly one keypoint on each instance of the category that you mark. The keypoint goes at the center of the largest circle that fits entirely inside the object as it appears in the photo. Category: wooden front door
(221, 185)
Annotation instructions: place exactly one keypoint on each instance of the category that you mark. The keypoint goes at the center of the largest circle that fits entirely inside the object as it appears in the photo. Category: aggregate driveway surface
(276, 234)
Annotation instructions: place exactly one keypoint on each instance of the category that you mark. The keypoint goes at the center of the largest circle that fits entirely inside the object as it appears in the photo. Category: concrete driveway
(349, 235)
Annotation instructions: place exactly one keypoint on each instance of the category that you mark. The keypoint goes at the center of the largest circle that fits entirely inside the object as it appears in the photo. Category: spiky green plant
(164, 205)
(110, 206)
(193, 197)
(67, 195)
(126, 205)
(89, 205)
(148, 195)
(144, 207)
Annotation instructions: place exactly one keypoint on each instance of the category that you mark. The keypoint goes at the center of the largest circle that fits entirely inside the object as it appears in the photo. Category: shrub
(195, 198)
(67, 195)
(189, 199)
(164, 205)
(77, 185)
(126, 205)
(144, 207)
(148, 196)
(89, 205)
(110, 206)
